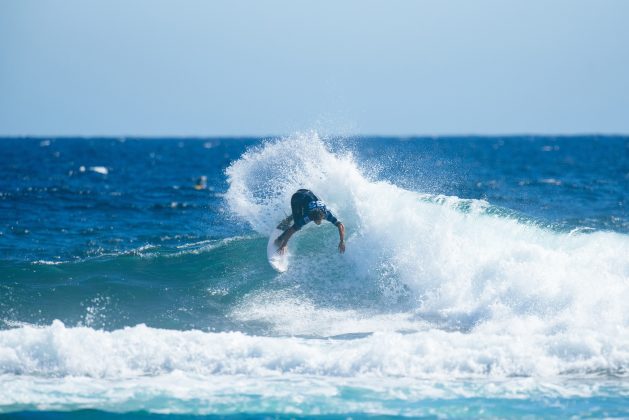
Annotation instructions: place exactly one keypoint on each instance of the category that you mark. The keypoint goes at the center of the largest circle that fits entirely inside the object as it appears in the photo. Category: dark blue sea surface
(483, 276)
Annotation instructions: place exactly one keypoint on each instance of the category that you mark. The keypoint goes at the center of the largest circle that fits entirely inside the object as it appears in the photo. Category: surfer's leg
(295, 207)
(285, 224)
(297, 202)
(282, 240)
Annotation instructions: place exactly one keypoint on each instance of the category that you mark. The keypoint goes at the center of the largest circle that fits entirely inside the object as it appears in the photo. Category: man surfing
(306, 207)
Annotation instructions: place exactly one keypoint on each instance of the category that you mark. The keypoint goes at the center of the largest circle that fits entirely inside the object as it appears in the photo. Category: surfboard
(277, 261)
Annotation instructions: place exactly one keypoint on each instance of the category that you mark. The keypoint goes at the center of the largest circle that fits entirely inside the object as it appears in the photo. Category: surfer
(201, 183)
(306, 207)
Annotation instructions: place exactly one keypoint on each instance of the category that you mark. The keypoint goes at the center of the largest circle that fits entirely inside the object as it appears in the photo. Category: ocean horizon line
(324, 135)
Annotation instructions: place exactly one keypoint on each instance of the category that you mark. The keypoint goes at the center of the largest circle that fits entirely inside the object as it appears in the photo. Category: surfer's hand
(342, 247)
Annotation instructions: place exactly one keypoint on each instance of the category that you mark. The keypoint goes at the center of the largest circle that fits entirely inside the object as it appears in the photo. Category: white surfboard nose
(278, 261)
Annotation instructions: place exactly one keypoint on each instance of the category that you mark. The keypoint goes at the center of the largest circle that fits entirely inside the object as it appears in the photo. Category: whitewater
(440, 306)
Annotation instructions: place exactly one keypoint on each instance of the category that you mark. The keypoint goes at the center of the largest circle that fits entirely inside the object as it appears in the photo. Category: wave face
(440, 306)
(454, 264)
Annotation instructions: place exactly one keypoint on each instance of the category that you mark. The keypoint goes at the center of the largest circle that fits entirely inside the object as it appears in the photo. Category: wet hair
(316, 214)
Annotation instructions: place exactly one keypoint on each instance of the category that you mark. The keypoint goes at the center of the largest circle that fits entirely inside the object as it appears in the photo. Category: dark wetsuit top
(299, 206)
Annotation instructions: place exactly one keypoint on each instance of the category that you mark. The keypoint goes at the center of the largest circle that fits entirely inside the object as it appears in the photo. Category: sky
(230, 68)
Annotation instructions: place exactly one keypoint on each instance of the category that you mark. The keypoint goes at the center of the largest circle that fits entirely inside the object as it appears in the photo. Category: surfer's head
(316, 211)
(316, 216)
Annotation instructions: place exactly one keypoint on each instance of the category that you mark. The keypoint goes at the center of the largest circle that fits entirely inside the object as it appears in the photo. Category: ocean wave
(168, 371)
(58, 351)
(413, 259)
(460, 259)
(487, 291)
(436, 297)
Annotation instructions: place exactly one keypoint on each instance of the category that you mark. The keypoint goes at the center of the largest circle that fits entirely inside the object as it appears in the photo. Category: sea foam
(195, 372)
(58, 351)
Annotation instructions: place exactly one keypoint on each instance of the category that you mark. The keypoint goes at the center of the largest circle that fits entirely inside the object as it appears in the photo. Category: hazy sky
(150, 67)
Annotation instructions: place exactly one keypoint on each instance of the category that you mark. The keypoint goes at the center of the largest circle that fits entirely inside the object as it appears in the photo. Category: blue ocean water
(484, 276)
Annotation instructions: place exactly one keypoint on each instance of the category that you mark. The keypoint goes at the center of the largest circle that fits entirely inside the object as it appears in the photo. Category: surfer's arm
(341, 237)
(332, 219)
